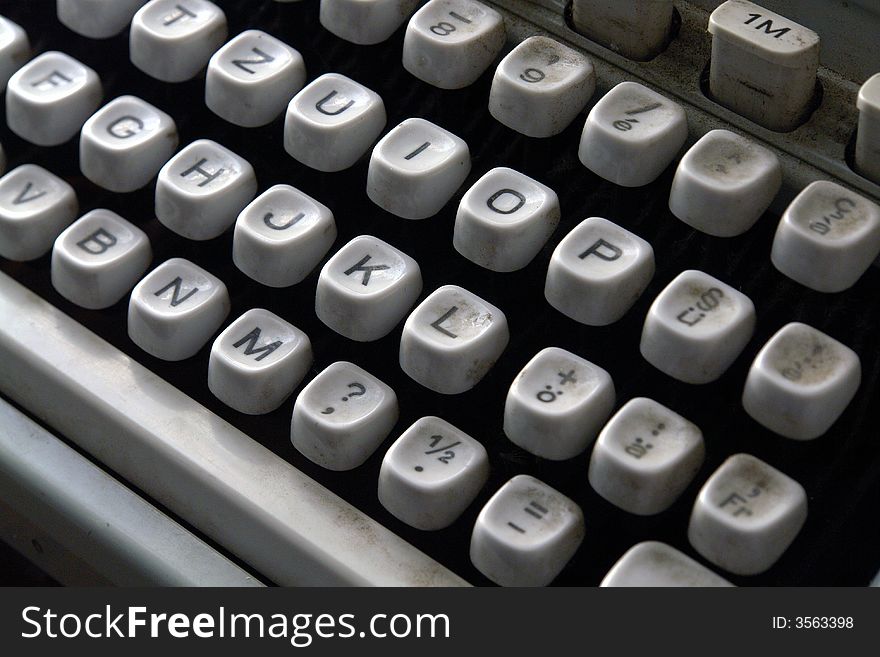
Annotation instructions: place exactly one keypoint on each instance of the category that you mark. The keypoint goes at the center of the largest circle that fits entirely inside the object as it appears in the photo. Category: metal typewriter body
(840, 543)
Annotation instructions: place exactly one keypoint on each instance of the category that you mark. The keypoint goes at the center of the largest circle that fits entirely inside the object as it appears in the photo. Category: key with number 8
(449, 43)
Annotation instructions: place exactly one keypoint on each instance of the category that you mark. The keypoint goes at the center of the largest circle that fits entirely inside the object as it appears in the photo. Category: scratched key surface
(840, 471)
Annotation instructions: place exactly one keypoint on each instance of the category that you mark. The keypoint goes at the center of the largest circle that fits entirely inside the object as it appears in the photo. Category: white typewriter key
(252, 78)
(176, 309)
(540, 87)
(654, 564)
(431, 474)
(637, 29)
(451, 340)
(867, 155)
(763, 65)
(49, 98)
(631, 135)
(257, 361)
(98, 259)
(15, 49)
(172, 40)
(557, 404)
(282, 236)
(800, 382)
(366, 288)
(35, 206)
(645, 457)
(202, 189)
(746, 515)
(696, 328)
(342, 416)
(449, 43)
(724, 183)
(365, 22)
(504, 220)
(597, 272)
(416, 168)
(526, 534)
(332, 122)
(827, 238)
(125, 143)
(97, 19)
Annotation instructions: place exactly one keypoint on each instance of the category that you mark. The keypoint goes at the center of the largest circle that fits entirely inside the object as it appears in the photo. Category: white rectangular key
(15, 49)
(49, 98)
(763, 65)
(125, 143)
(504, 220)
(746, 515)
(696, 327)
(597, 272)
(201, 190)
(252, 78)
(637, 29)
(342, 416)
(365, 22)
(332, 122)
(801, 381)
(632, 134)
(172, 40)
(97, 19)
(541, 86)
(654, 564)
(431, 474)
(175, 310)
(366, 288)
(416, 168)
(867, 155)
(827, 237)
(452, 339)
(449, 43)
(257, 361)
(526, 534)
(557, 404)
(99, 258)
(724, 183)
(35, 206)
(281, 236)
(645, 457)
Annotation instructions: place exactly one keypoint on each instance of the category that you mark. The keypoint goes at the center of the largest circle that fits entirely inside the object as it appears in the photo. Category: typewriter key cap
(526, 534)
(431, 474)
(656, 564)
(175, 310)
(257, 361)
(696, 328)
(365, 22)
(98, 259)
(342, 416)
(97, 19)
(366, 289)
(747, 515)
(800, 382)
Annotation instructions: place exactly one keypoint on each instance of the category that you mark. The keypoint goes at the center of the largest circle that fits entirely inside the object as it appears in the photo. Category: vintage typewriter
(383, 292)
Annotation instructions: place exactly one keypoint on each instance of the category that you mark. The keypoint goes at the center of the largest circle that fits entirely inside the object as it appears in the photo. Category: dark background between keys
(840, 543)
